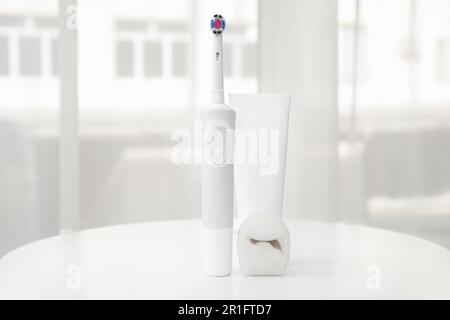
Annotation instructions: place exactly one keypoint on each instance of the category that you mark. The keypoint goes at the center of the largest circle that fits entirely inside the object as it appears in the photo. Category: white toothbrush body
(218, 120)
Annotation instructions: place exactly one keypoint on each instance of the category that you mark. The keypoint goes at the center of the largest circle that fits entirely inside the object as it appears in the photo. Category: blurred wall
(298, 55)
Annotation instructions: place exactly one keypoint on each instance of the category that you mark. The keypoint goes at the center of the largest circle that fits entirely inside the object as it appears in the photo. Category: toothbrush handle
(217, 189)
(217, 96)
(218, 122)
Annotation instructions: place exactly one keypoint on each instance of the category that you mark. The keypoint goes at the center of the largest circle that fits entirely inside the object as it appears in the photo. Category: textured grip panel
(217, 180)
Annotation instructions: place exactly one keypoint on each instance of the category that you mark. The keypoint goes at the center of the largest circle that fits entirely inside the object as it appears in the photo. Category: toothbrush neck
(217, 96)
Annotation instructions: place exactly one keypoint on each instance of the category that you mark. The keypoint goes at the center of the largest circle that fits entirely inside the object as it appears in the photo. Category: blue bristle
(223, 24)
(211, 24)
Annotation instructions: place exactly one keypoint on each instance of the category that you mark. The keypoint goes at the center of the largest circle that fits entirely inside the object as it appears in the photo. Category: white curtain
(394, 104)
(91, 90)
(298, 50)
(29, 188)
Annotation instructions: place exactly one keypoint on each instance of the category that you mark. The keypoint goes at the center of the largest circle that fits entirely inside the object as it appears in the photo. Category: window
(153, 59)
(11, 21)
(241, 54)
(4, 56)
(125, 58)
(54, 60)
(158, 52)
(159, 48)
(402, 57)
(179, 56)
(30, 56)
(33, 40)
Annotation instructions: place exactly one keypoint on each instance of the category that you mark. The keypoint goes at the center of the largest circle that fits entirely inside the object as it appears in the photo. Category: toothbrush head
(217, 24)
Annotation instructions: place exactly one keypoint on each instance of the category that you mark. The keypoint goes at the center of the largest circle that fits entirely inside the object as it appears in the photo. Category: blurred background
(91, 91)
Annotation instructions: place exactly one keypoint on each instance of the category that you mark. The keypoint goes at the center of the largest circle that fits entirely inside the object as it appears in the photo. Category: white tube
(260, 152)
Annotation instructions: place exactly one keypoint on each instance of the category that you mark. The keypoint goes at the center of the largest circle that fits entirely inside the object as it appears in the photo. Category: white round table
(162, 260)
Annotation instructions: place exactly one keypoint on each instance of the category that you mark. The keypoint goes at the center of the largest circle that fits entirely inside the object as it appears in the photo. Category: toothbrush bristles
(217, 24)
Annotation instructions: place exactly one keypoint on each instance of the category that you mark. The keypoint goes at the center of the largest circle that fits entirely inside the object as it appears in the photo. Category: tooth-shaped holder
(263, 245)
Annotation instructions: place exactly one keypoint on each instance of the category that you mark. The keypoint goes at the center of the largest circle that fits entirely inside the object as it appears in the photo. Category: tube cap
(217, 250)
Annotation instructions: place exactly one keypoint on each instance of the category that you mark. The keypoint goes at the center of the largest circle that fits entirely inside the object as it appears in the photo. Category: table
(161, 260)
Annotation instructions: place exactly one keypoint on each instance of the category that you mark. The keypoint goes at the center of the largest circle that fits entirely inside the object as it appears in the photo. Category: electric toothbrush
(217, 26)
(218, 120)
